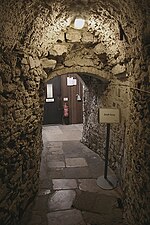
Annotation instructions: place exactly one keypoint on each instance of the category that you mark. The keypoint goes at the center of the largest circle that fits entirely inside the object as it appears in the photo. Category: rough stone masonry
(111, 54)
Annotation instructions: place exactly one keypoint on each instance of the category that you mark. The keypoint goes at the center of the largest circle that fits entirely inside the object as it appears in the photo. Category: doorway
(65, 91)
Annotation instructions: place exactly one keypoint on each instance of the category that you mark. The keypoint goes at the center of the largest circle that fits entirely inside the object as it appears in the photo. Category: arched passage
(64, 100)
(38, 37)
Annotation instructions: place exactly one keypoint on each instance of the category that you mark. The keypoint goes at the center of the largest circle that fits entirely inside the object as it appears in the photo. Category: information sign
(107, 115)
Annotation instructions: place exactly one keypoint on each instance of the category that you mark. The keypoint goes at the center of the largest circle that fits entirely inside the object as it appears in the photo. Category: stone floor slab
(54, 148)
(63, 184)
(54, 144)
(56, 173)
(76, 172)
(73, 149)
(65, 205)
(61, 133)
(56, 164)
(102, 219)
(57, 151)
(76, 162)
(61, 200)
(54, 157)
(67, 217)
(94, 202)
(88, 185)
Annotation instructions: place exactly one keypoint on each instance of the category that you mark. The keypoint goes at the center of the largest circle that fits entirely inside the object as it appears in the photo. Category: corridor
(99, 53)
(68, 193)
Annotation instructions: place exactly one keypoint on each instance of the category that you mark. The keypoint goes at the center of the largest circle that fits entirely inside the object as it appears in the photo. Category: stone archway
(115, 42)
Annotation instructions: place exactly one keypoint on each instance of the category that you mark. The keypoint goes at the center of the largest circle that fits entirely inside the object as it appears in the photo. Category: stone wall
(137, 158)
(129, 141)
(93, 89)
(106, 95)
(39, 35)
(21, 87)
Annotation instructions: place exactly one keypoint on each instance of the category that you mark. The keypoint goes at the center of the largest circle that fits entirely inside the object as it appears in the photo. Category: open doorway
(64, 100)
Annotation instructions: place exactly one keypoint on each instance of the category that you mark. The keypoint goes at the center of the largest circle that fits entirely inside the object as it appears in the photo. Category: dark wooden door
(74, 93)
(63, 93)
(52, 107)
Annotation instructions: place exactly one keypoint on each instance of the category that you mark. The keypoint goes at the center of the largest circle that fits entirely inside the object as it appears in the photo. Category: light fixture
(79, 23)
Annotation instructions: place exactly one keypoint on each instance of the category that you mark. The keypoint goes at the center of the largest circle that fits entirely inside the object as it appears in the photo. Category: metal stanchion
(107, 182)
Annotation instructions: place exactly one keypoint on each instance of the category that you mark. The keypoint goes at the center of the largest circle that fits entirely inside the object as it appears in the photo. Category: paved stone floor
(68, 192)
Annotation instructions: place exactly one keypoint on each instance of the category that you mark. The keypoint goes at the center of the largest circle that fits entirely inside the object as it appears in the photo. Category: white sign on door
(49, 99)
(107, 115)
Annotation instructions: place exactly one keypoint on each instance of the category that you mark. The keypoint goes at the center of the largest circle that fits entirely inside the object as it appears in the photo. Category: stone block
(56, 164)
(17, 72)
(73, 36)
(118, 69)
(31, 62)
(31, 84)
(10, 87)
(113, 49)
(3, 192)
(70, 63)
(52, 52)
(87, 37)
(48, 63)
(2, 99)
(149, 70)
(7, 219)
(75, 162)
(1, 86)
(61, 37)
(99, 49)
(17, 114)
(78, 61)
(37, 62)
(61, 200)
(13, 206)
(59, 184)
(24, 61)
(44, 75)
(25, 69)
(93, 202)
(60, 49)
(65, 217)
(17, 175)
